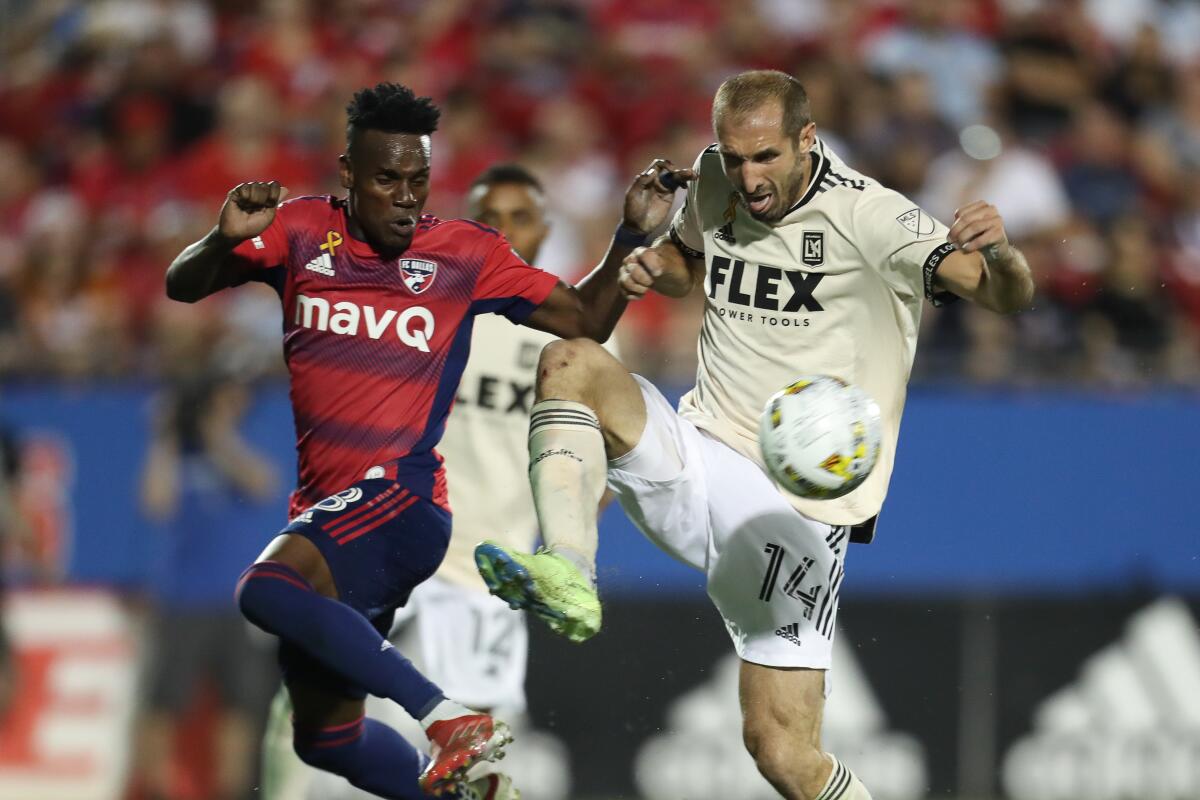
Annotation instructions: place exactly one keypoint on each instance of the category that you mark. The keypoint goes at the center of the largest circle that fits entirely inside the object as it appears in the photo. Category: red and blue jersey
(375, 347)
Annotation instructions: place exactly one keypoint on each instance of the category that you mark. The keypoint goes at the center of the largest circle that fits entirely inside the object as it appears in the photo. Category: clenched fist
(638, 272)
(249, 208)
(978, 227)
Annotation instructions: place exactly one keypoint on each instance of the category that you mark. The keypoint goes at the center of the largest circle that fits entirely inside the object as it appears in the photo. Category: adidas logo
(725, 234)
(1129, 726)
(790, 632)
(322, 264)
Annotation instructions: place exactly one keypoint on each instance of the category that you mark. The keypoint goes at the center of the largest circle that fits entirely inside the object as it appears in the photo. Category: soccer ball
(820, 437)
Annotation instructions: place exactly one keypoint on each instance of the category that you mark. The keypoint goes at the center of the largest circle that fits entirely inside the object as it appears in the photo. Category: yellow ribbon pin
(731, 209)
(333, 240)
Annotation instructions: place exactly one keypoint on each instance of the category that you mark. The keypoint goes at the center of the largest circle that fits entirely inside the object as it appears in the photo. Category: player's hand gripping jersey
(375, 348)
(837, 290)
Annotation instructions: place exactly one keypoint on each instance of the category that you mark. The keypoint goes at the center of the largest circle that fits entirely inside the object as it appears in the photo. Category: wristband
(629, 237)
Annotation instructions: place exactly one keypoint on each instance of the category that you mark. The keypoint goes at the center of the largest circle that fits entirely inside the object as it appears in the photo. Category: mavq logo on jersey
(414, 326)
(417, 273)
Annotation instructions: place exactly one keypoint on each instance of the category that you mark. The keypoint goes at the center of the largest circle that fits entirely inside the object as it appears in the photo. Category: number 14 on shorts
(792, 587)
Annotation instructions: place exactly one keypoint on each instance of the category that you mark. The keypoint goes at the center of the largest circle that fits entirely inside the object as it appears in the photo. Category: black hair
(508, 173)
(391, 108)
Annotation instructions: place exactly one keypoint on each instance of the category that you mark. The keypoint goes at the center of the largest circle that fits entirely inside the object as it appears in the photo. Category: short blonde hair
(747, 91)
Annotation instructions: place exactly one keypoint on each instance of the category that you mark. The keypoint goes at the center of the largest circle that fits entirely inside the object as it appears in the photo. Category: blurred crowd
(124, 122)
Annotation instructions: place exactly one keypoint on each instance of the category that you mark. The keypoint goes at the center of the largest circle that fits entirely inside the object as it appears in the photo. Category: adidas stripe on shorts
(772, 573)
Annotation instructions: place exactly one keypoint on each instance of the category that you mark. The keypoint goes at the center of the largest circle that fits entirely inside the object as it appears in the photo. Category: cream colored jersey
(485, 446)
(835, 287)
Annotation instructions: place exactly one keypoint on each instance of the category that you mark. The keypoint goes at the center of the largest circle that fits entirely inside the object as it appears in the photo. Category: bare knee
(582, 371)
(786, 758)
(570, 368)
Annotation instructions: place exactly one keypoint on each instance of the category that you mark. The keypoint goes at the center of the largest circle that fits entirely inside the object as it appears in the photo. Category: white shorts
(469, 643)
(773, 573)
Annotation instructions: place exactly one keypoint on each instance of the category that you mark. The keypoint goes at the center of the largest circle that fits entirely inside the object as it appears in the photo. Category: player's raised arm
(591, 308)
(209, 265)
(985, 269)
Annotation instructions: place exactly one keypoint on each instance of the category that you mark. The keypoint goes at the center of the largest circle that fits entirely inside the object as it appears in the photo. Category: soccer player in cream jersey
(808, 267)
(474, 646)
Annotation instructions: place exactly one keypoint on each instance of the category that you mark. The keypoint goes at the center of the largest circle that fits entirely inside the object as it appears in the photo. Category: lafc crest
(813, 254)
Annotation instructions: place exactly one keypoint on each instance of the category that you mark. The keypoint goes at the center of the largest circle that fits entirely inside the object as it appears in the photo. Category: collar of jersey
(356, 246)
(820, 167)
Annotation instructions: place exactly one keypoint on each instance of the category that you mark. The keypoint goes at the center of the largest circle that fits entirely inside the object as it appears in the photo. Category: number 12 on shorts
(791, 587)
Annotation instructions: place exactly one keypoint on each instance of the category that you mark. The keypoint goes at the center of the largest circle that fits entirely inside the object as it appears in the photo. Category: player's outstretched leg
(588, 410)
(331, 733)
(372, 758)
(277, 594)
(781, 712)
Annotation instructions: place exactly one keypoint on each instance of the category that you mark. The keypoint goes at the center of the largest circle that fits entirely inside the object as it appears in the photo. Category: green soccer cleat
(545, 583)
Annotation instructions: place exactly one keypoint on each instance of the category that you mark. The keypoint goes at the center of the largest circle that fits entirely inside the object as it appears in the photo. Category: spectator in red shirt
(247, 145)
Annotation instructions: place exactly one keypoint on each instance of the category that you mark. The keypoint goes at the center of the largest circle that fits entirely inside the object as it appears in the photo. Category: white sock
(447, 709)
(843, 784)
(567, 469)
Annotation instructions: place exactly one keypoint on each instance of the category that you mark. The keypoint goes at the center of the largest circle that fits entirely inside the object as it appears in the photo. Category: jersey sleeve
(508, 285)
(902, 242)
(687, 228)
(268, 249)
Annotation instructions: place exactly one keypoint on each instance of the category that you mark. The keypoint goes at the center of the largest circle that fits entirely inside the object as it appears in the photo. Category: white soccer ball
(820, 437)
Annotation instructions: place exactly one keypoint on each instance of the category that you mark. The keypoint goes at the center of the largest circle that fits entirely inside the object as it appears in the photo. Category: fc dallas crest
(417, 274)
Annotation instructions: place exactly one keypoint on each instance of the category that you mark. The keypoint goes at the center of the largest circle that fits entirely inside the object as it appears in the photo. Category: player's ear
(808, 138)
(345, 171)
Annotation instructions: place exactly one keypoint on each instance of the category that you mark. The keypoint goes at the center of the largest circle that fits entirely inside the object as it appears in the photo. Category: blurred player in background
(809, 268)
(14, 532)
(379, 302)
(198, 475)
(468, 642)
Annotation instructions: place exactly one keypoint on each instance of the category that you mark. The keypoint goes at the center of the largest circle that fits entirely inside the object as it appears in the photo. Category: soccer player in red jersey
(378, 301)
